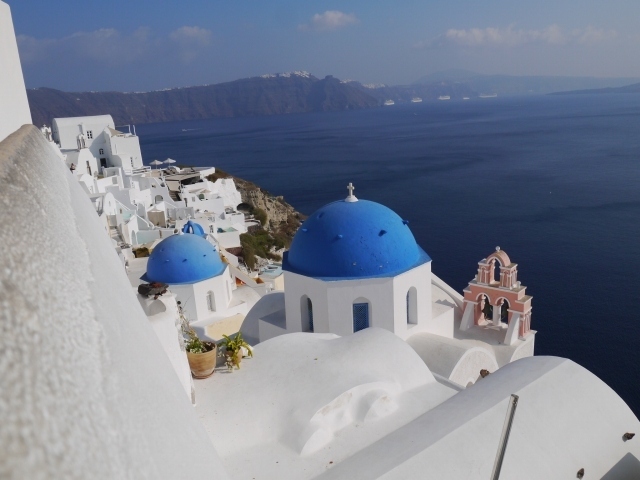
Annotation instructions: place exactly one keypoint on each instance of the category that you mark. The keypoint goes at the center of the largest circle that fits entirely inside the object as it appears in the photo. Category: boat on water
(488, 95)
(389, 102)
(416, 100)
(444, 97)
(465, 98)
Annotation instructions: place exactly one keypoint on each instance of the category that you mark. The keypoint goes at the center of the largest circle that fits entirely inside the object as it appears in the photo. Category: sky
(142, 45)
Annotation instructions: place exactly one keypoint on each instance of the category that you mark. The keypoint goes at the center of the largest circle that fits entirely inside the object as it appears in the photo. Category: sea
(552, 180)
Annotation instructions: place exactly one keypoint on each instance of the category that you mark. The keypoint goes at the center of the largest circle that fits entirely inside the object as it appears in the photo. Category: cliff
(279, 222)
(268, 95)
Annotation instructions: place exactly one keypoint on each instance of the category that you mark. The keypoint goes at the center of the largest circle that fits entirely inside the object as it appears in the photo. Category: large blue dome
(181, 259)
(353, 240)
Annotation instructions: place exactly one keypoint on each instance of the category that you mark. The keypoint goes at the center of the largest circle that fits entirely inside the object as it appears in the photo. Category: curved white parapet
(309, 399)
(566, 419)
(468, 367)
(86, 390)
(14, 106)
(456, 361)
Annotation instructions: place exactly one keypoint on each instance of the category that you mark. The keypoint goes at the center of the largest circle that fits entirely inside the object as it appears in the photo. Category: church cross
(351, 188)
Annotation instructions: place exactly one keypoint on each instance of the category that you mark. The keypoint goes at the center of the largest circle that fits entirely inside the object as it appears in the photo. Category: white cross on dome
(351, 197)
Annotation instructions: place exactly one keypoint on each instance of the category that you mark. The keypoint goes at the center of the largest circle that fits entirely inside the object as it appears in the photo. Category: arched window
(102, 151)
(504, 311)
(486, 308)
(306, 314)
(211, 301)
(412, 306)
(360, 315)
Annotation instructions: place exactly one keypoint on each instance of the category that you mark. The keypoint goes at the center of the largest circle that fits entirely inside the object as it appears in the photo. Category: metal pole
(504, 438)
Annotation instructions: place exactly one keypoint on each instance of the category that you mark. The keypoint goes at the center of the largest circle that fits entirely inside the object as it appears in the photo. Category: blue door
(360, 316)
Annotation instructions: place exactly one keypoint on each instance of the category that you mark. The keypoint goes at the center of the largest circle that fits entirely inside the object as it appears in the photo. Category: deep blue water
(554, 181)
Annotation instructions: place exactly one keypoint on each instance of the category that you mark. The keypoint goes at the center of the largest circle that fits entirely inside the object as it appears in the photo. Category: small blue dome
(183, 259)
(193, 227)
(353, 240)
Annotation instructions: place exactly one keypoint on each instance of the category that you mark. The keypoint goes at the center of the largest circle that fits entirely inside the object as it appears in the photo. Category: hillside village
(139, 205)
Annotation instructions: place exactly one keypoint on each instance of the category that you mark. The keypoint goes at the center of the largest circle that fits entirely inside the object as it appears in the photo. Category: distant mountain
(404, 93)
(266, 95)
(523, 85)
(635, 88)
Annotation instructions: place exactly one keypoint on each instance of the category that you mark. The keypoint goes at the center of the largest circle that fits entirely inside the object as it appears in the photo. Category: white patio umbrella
(169, 160)
(156, 163)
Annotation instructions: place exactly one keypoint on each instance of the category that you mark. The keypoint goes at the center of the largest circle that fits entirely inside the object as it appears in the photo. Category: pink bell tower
(496, 299)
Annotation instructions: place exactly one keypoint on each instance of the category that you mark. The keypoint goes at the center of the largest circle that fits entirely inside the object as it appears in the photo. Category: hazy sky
(137, 45)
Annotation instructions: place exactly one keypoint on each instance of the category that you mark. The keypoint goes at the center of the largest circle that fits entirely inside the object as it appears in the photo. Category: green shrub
(260, 215)
(217, 175)
(249, 255)
(141, 252)
(260, 243)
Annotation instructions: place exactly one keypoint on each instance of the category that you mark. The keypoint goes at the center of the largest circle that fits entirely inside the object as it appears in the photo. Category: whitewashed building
(192, 268)
(80, 138)
(355, 264)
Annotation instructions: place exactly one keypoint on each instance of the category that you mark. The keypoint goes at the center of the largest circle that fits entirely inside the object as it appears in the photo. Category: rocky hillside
(279, 220)
(297, 92)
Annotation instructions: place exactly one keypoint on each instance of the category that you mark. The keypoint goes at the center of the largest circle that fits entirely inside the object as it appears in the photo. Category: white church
(366, 365)
(355, 264)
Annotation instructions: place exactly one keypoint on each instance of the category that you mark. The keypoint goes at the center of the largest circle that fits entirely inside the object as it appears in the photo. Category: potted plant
(201, 355)
(234, 349)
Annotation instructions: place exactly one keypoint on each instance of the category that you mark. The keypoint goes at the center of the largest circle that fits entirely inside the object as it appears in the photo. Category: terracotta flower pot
(202, 364)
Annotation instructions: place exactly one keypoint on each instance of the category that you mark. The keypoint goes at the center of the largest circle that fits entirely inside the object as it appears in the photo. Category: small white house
(98, 136)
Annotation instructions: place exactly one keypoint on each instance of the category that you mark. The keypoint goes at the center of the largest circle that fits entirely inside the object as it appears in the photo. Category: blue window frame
(408, 309)
(310, 310)
(360, 316)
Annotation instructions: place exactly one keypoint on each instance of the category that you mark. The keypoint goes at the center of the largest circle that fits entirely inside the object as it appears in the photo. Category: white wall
(333, 302)
(66, 130)
(125, 152)
(226, 188)
(112, 181)
(566, 419)
(194, 296)
(83, 161)
(228, 239)
(420, 279)
(86, 390)
(14, 106)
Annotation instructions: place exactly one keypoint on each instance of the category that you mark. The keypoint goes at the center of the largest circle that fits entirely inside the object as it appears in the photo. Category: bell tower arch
(496, 299)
